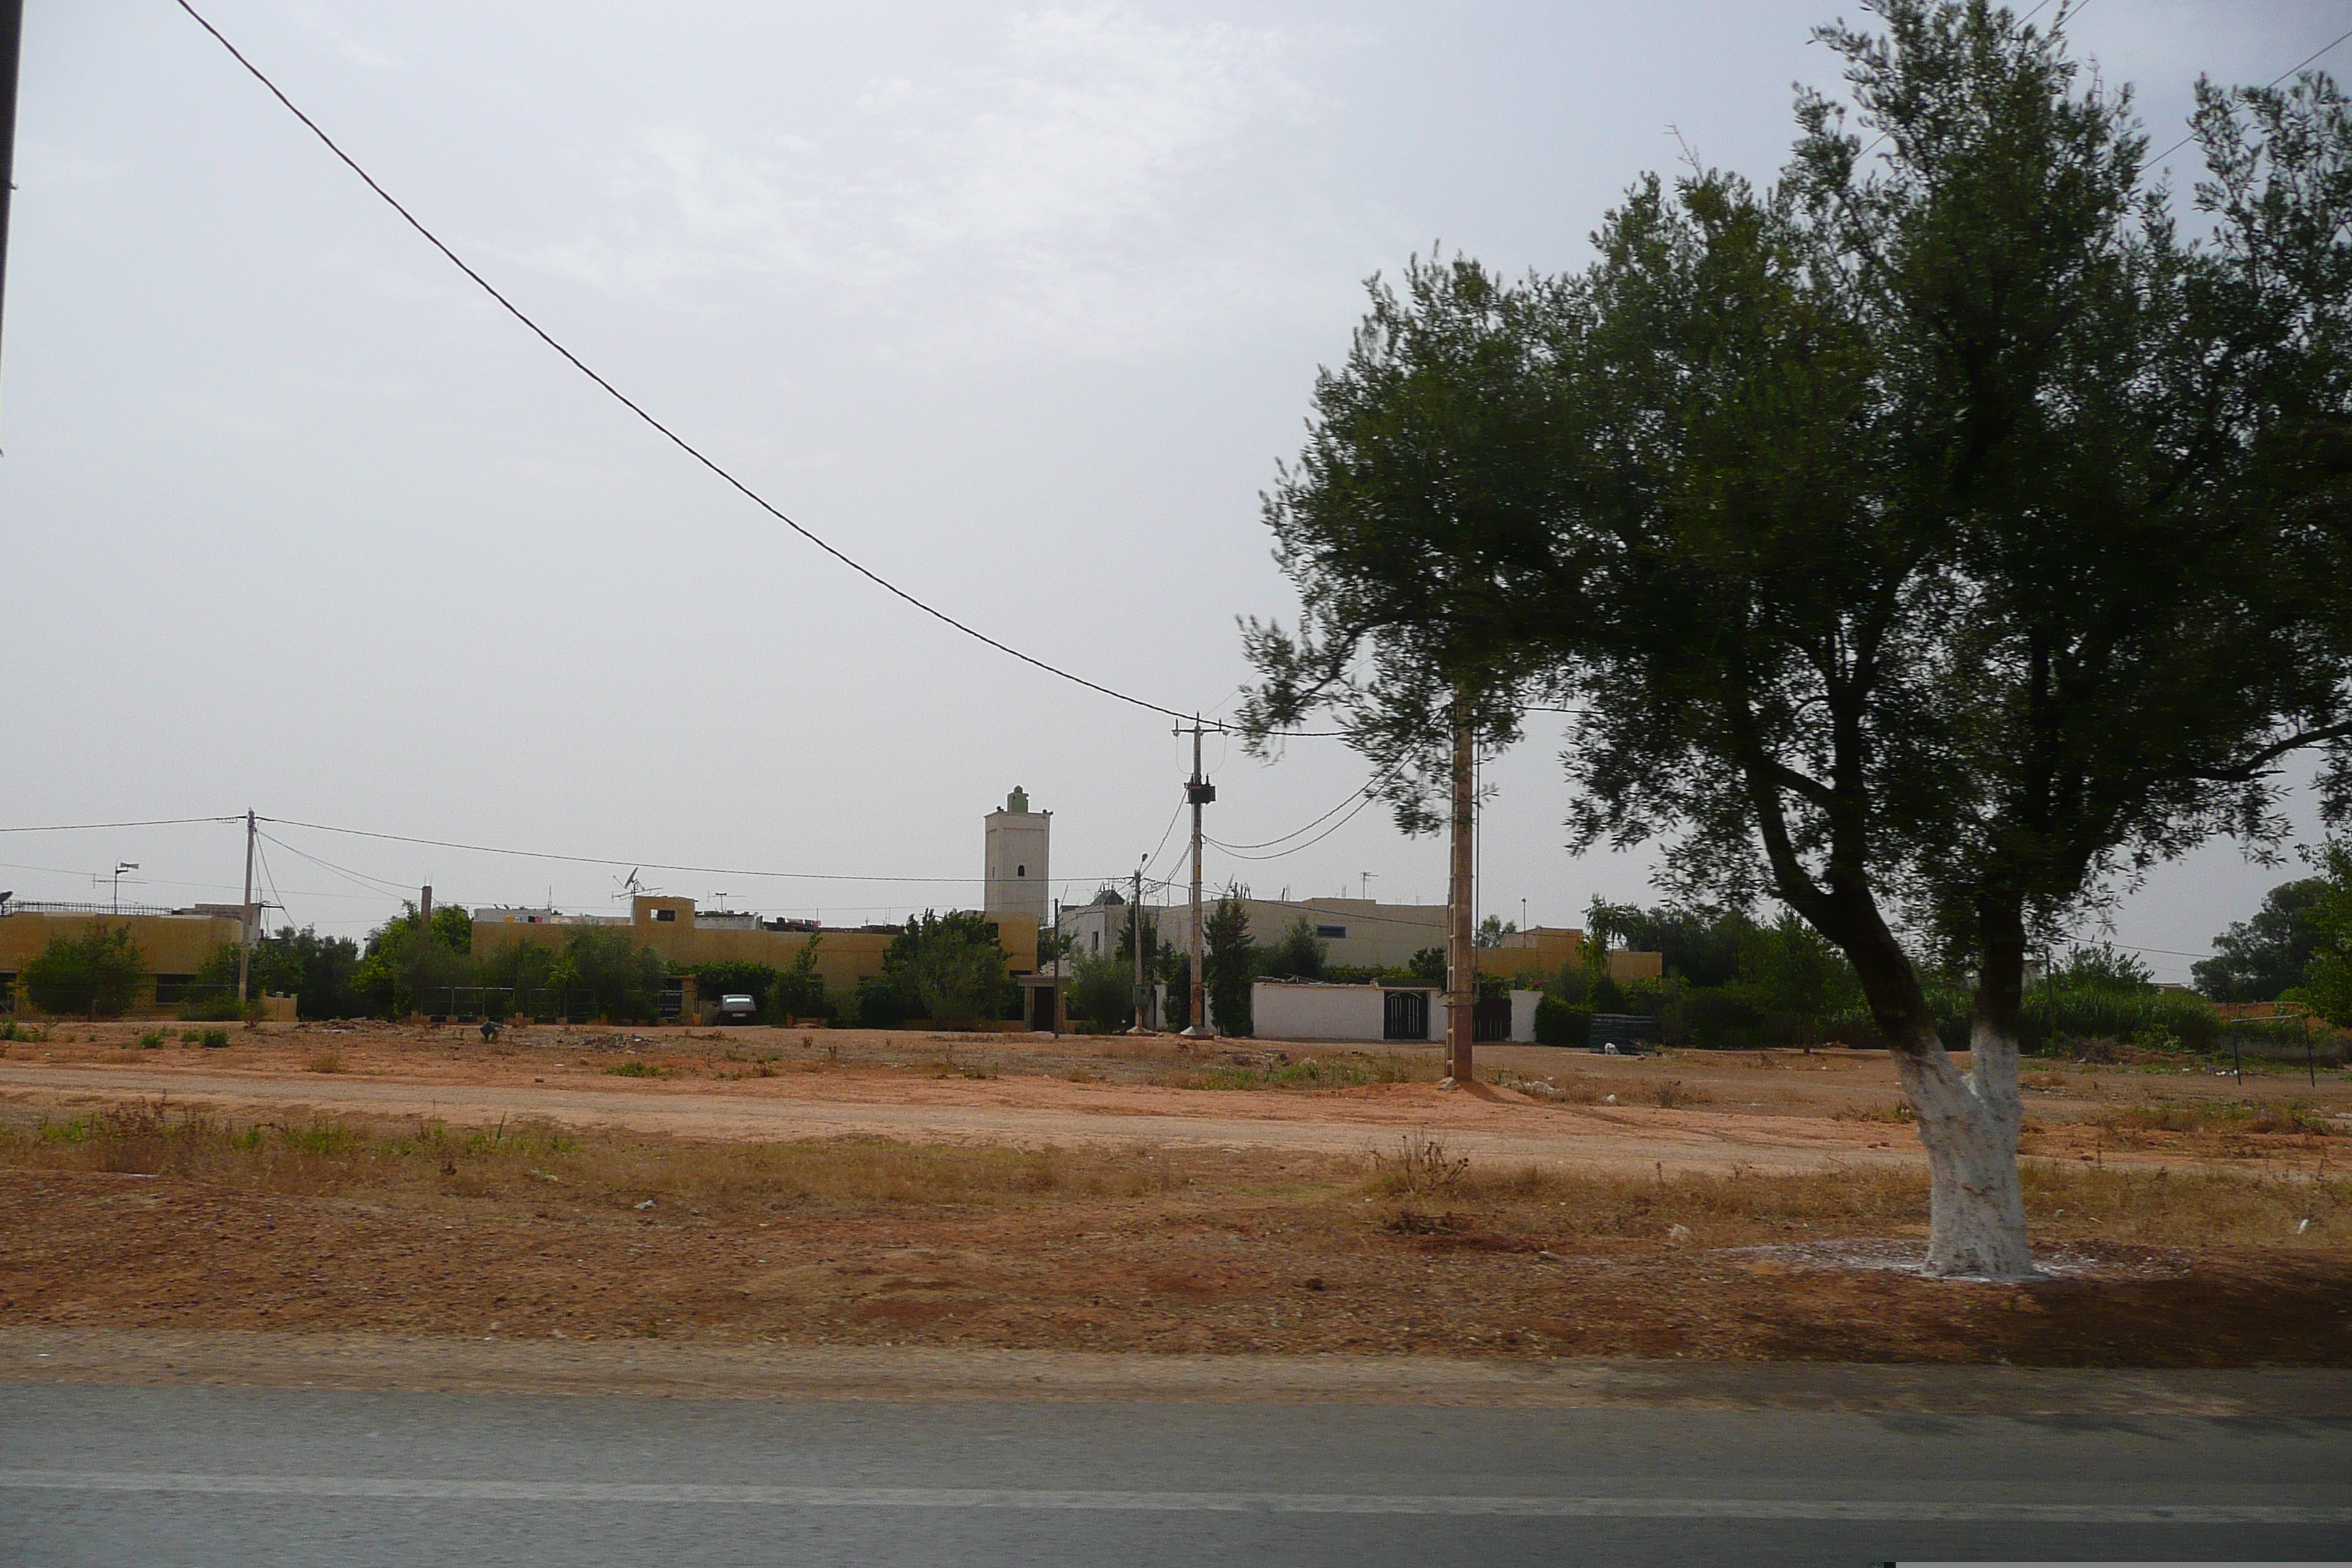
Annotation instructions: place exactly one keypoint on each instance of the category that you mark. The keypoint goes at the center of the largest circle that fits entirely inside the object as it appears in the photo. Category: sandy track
(1487, 1124)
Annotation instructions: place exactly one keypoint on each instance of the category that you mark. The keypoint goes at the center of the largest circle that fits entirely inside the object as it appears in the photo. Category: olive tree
(1955, 551)
(1931, 541)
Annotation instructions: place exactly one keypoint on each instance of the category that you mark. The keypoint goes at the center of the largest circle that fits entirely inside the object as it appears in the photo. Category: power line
(610, 861)
(2282, 76)
(96, 826)
(1366, 800)
(1355, 797)
(680, 442)
(271, 878)
(375, 885)
(1164, 834)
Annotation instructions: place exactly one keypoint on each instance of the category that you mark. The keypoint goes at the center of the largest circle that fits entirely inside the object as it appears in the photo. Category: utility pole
(1461, 958)
(1200, 792)
(424, 938)
(1134, 934)
(244, 916)
(12, 34)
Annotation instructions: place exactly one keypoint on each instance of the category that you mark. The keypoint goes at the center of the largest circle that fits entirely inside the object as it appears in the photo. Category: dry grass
(1588, 1211)
(1276, 1069)
(325, 1062)
(2216, 1116)
(427, 1158)
(1420, 1166)
(428, 1161)
(1900, 1111)
(415, 1227)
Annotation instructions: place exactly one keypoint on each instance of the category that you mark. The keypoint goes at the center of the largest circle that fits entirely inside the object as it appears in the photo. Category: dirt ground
(1683, 1110)
(757, 1186)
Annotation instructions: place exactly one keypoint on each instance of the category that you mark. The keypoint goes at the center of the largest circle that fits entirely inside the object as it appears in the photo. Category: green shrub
(952, 966)
(799, 992)
(152, 1040)
(1558, 1023)
(98, 973)
(1719, 1018)
(881, 1002)
(214, 1039)
(1102, 992)
(219, 1006)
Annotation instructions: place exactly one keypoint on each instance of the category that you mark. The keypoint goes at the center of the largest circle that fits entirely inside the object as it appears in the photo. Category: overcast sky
(1018, 305)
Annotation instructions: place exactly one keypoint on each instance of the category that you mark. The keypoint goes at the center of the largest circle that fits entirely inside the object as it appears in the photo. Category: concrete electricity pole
(244, 916)
(1135, 931)
(1200, 792)
(1461, 957)
(11, 33)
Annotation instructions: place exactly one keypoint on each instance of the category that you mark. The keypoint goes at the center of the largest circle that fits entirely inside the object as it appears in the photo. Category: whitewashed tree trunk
(1969, 1122)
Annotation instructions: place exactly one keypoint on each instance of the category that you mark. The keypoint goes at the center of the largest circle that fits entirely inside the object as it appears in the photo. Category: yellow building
(1541, 951)
(686, 937)
(172, 945)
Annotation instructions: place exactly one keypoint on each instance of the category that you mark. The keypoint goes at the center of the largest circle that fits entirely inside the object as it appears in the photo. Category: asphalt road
(199, 1476)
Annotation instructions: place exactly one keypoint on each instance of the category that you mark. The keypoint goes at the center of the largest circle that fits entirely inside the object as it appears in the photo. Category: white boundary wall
(1309, 1010)
(1523, 1016)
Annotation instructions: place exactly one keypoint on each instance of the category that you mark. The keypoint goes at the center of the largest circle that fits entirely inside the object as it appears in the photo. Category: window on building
(1094, 938)
(1020, 871)
(664, 914)
(1331, 930)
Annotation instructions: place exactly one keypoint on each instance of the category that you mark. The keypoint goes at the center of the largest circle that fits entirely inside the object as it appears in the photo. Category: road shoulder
(654, 1368)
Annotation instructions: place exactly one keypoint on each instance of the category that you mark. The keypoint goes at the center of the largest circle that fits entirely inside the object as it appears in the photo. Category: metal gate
(1404, 1015)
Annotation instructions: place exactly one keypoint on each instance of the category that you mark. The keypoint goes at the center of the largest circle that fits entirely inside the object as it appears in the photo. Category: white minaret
(1016, 859)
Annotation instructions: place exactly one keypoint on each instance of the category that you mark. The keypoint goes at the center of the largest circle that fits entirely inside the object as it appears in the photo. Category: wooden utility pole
(1200, 792)
(1461, 957)
(244, 916)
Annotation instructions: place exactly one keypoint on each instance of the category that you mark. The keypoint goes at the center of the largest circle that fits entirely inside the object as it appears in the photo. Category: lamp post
(120, 867)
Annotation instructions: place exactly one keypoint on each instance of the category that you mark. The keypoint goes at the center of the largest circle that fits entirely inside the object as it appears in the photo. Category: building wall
(170, 944)
(1377, 935)
(1371, 934)
(1015, 844)
(844, 957)
(1539, 953)
(1624, 965)
(1305, 1010)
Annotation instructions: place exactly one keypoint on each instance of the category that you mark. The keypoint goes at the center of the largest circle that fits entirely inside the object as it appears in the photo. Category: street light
(120, 867)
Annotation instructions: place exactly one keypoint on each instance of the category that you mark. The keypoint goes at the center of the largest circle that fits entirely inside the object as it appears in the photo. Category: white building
(1353, 932)
(1017, 840)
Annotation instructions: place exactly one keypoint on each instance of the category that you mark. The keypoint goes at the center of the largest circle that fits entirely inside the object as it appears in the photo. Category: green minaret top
(1018, 800)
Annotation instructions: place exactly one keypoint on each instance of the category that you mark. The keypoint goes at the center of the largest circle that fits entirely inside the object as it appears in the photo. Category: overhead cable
(614, 860)
(680, 442)
(94, 826)
(2282, 76)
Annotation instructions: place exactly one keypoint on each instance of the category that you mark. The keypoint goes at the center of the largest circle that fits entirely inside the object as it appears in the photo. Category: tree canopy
(2257, 960)
(98, 971)
(1931, 541)
(319, 972)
